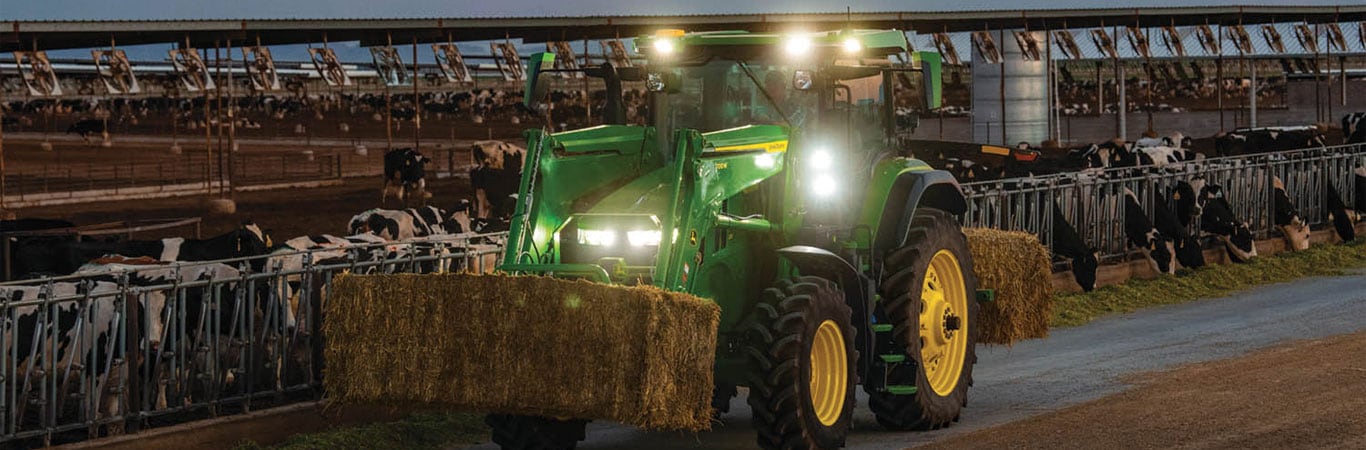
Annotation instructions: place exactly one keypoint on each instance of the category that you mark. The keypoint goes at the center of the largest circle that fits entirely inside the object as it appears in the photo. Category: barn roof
(49, 35)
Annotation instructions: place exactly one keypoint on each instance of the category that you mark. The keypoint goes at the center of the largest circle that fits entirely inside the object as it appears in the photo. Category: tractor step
(882, 327)
(892, 358)
(901, 389)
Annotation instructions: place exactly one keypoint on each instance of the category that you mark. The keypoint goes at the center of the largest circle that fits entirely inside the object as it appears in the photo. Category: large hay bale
(522, 345)
(1017, 266)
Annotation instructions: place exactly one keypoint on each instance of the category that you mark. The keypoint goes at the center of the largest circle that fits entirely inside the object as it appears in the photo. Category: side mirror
(802, 80)
(931, 67)
(631, 73)
(537, 80)
(662, 82)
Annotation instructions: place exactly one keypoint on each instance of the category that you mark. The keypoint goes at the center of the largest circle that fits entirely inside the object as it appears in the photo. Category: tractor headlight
(664, 46)
(852, 45)
(824, 185)
(597, 238)
(797, 45)
(821, 159)
(644, 238)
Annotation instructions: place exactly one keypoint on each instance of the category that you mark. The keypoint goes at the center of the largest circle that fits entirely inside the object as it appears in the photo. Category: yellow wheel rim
(943, 323)
(829, 373)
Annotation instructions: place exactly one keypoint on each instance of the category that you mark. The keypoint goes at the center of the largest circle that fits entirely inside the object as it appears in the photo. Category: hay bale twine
(1017, 266)
(220, 206)
(308, 154)
(522, 345)
(361, 150)
(46, 146)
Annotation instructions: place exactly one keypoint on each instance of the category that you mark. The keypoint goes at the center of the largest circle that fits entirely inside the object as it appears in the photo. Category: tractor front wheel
(927, 289)
(802, 344)
(514, 432)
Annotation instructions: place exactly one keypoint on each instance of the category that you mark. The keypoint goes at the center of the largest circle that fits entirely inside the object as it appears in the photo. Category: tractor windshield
(723, 93)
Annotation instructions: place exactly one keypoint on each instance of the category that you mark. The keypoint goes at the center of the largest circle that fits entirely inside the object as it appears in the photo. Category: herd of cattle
(250, 299)
(1184, 206)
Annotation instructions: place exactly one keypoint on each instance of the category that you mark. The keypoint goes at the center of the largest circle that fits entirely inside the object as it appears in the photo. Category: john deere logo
(692, 237)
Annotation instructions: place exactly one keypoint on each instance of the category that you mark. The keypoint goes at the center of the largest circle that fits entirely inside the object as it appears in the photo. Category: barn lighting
(852, 45)
(797, 45)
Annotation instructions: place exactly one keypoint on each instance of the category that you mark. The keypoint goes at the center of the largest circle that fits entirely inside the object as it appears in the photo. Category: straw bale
(522, 345)
(1017, 266)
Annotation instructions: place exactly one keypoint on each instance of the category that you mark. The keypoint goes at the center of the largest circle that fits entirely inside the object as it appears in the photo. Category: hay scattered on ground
(1016, 265)
(522, 345)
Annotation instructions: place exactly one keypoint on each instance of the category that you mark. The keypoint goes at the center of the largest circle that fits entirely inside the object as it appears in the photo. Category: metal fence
(117, 348)
(1093, 201)
(21, 182)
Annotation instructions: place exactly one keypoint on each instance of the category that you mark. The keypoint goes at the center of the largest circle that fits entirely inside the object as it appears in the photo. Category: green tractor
(769, 180)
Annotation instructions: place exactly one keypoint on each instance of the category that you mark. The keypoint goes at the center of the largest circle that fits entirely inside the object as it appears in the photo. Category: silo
(1023, 115)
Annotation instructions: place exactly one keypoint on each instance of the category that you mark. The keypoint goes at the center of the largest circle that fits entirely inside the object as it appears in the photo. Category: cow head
(1161, 252)
(252, 241)
(1084, 270)
(1189, 253)
(1240, 245)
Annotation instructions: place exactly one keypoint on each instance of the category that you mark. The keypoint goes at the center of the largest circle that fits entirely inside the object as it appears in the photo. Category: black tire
(781, 334)
(903, 276)
(513, 432)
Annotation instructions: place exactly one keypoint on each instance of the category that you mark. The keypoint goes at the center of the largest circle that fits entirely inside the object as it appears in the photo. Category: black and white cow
(1344, 219)
(1287, 217)
(1188, 250)
(1249, 141)
(66, 257)
(61, 333)
(1188, 205)
(1141, 233)
(1067, 243)
(404, 174)
(496, 177)
(1359, 186)
(1217, 218)
(87, 127)
(185, 308)
(395, 225)
(1353, 131)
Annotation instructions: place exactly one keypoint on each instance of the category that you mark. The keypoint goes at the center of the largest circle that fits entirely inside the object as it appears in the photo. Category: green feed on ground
(416, 432)
(1209, 282)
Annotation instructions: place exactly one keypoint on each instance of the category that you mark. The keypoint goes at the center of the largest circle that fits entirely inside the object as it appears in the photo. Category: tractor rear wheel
(927, 289)
(514, 432)
(802, 344)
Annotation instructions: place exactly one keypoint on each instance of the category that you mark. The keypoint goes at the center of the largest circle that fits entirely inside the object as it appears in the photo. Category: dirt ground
(1307, 394)
(282, 213)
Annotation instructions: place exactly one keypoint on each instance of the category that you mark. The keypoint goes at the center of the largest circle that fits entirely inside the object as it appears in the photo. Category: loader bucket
(525, 345)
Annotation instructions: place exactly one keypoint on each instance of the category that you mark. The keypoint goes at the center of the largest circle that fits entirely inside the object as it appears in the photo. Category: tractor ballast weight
(770, 179)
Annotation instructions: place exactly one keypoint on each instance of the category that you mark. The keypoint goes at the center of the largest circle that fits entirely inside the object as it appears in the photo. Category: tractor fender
(822, 263)
(910, 190)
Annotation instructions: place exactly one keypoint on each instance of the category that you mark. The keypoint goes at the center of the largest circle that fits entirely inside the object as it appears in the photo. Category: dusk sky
(243, 9)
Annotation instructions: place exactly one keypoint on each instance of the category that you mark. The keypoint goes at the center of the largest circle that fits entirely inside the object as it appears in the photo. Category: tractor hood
(596, 186)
